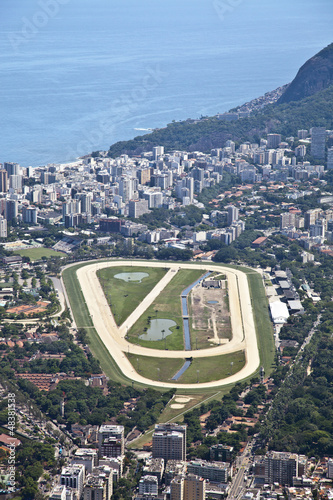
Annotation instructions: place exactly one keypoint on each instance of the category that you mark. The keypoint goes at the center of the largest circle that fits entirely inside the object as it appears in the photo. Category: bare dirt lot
(209, 310)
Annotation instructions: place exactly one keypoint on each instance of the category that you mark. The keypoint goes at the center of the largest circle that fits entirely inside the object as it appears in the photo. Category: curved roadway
(242, 323)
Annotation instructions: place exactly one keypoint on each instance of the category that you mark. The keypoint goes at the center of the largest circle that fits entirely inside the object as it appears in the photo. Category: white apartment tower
(233, 214)
(157, 152)
(73, 477)
(3, 227)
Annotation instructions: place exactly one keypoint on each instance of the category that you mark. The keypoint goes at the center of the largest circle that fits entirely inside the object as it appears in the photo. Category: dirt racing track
(242, 323)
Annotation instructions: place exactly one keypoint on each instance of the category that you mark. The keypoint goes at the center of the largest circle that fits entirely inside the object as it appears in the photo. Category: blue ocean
(79, 75)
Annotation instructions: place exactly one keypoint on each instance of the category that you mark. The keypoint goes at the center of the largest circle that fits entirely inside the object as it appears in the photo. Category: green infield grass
(124, 297)
(201, 370)
(166, 306)
(156, 368)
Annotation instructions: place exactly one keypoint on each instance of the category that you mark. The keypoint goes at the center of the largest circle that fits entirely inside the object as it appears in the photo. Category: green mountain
(315, 75)
(208, 133)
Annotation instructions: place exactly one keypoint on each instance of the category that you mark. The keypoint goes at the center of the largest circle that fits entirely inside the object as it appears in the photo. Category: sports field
(37, 253)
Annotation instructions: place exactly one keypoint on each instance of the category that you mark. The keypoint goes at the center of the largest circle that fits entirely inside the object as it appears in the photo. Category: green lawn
(6, 285)
(201, 369)
(38, 253)
(215, 368)
(262, 322)
(166, 306)
(155, 368)
(124, 297)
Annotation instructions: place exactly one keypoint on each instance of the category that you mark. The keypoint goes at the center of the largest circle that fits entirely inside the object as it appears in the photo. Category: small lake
(135, 277)
(158, 329)
(212, 301)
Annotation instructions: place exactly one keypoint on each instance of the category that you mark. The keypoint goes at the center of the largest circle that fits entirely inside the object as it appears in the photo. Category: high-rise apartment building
(311, 216)
(126, 188)
(300, 151)
(3, 227)
(29, 215)
(99, 484)
(111, 441)
(154, 198)
(273, 140)
(329, 159)
(185, 187)
(302, 134)
(144, 175)
(71, 207)
(230, 144)
(16, 182)
(190, 487)
(329, 472)
(3, 181)
(73, 477)
(86, 456)
(233, 214)
(137, 208)
(281, 467)
(177, 488)
(12, 168)
(194, 488)
(44, 178)
(148, 485)
(318, 140)
(287, 220)
(157, 152)
(198, 174)
(86, 199)
(11, 210)
(318, 229)
(169, 442)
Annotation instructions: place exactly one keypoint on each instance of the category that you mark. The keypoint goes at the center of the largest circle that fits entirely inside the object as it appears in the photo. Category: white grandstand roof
(279, 312)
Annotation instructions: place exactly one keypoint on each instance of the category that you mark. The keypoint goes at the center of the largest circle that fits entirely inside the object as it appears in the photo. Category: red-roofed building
(9, 441)
(259, 242)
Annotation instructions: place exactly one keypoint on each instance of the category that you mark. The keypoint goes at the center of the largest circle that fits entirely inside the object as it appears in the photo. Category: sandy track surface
(242, 322)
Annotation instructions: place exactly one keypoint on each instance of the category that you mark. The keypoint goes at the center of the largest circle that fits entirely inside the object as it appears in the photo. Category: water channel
(186, 324)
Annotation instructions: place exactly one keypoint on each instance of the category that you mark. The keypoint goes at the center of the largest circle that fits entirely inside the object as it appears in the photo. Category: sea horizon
(86, 74)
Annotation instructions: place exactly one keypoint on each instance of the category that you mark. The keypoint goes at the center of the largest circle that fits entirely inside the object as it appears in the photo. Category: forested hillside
(208, 133)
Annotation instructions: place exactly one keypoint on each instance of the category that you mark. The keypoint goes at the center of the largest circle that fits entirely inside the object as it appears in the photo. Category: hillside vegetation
(208, 133)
